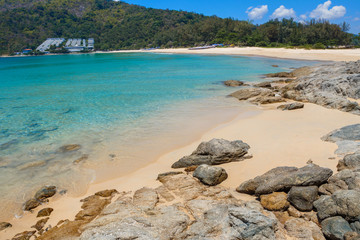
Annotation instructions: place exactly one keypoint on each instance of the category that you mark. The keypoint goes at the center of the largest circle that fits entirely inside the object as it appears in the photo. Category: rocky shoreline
(310, 202)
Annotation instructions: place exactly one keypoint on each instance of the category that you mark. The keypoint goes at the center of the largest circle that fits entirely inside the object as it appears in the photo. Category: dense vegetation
(118, 25)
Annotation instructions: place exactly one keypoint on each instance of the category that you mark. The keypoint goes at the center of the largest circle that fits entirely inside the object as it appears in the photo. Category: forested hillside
(118, 25)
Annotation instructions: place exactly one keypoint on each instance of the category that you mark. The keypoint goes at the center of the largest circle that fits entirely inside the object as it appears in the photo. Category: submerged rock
(210, 175)
(283, 178)
(69, 148)
(45, 212)
(45, 192)
(233, 83)
(291, 106)
(4, 225)
(276, 201)
(31, 204)
(214, 152)
(302, 198)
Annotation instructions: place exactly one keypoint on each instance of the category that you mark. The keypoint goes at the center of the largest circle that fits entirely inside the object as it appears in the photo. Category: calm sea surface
(119, 107)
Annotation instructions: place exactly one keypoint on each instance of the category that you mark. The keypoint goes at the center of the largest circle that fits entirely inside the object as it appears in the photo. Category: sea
(120, 110)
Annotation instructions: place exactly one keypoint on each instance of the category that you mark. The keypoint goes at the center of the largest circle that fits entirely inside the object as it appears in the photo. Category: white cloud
(283, 12)
(258, 12)
(356, 19)
(303, 16)
(325, 12)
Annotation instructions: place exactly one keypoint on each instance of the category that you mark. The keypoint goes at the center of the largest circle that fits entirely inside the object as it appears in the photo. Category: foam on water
(123, 109)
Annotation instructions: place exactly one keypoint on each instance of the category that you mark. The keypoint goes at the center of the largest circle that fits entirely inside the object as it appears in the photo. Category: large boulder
(302, 198)
(283, 178)
(343, 180)
(301, 229)
(210, 175)
(335, 228)
(351, 133)
(214, 152)
(350, 161)
(345, 203)
(276, 201)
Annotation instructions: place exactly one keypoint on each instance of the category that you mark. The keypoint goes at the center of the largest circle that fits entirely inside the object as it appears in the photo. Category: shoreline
(305, 127)
(280, 53)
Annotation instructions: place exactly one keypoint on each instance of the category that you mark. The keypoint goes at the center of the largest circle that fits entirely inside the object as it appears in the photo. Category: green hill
(118, 25)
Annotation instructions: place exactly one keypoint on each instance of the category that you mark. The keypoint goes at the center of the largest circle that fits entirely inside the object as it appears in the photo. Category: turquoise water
(98, 100)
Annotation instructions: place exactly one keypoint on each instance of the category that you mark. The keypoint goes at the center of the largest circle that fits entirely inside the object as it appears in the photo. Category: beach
(277, 138)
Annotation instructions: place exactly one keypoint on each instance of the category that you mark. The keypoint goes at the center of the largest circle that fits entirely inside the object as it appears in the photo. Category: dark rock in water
(45, 192)
(69, 148)
(246, 93)
(40, 224)
(275, 65)
(291, 106)
(263, 85)
(233, 83)
(276, 201)
(351, 133)
(335, 228)
(350, 161)
(345, 203)
(210, 175)
(107, 193)
(31, 204)
(4, 225)
(24, 235)
(302, 198)
(283, 178)
(45, 212)
(214, 152)
(81, 159)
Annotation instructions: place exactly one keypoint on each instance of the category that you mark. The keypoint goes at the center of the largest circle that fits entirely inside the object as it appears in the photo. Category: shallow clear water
(112, 105)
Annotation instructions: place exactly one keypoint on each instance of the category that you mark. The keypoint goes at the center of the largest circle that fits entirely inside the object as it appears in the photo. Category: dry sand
(300, 54)
(277, 138)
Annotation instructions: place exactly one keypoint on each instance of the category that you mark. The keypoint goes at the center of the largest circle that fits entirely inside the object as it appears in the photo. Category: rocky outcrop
(302, 198)
(343, 180)
(349, 133)
(4, 225)
(350, 161)
(45, 212)
(215, 152)
(24, 235)
(283, 178)
(247, 93)
(40, 224)
(233, 83)
(210, 175)
(276, 201)
(291, 106)
(263, 85)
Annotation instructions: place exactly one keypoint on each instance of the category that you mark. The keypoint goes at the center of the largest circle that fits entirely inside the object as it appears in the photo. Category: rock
(40, 224)
(246, 93)
(345, 203)
(210, 175)
(69, 148)
(45, 212)
(45, 192)
(92, 207)
(31, 204)
(107, 193)
(4, 225)
(283, 178)
(276, 201)
(24, 235)
(263, 85)
(350, 161)
(275, 66)
(351, 133)
(190, 169)
(302, 198)
(145, 198)
(335, 228)
(302, 229)
(233, 83)
(162, 175)
(214, 152)
(343, 180)
(291, 106)
(81, 159)
(280, 75)
(268, 99)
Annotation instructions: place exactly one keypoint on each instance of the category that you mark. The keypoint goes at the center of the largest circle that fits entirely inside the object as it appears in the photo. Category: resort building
(72, 44)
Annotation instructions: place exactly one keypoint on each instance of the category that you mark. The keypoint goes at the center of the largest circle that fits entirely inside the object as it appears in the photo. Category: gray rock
(210, 175)
(214, 152)
(351, 133)
(145, 198)
(350, 161)
(263, 85)
(347, 147)
(246, 93)
(343, 180)
(345, 203)
(335, 228)
(291, 106)
(302, 198)
(4, 225)
(283, 178)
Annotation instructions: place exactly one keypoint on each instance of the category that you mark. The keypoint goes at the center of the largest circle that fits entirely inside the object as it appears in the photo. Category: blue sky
(261, 11)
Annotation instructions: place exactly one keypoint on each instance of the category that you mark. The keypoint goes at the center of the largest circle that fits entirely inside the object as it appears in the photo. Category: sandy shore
(277, 138)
